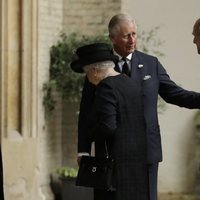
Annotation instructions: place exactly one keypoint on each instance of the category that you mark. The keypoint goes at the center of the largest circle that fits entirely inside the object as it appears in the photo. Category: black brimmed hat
(92, 53)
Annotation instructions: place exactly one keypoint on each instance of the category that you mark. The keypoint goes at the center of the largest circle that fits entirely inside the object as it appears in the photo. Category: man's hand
(79, 160)
(80, 155)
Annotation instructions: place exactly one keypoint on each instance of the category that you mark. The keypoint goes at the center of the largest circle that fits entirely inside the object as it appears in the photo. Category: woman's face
(91, 74)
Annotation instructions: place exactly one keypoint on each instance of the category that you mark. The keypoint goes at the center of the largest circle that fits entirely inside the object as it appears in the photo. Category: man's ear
(112, 39)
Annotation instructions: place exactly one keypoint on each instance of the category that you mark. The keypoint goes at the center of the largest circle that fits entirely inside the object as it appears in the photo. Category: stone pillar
(19, 106)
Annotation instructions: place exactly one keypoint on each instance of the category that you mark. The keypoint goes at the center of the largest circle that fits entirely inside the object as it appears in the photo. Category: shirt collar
(120, 57)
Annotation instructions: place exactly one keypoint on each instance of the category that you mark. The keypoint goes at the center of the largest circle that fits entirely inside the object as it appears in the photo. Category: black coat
(120, 121)
(154, 80)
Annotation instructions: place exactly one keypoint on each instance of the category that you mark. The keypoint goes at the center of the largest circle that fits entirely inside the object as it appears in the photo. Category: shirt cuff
(83, 154)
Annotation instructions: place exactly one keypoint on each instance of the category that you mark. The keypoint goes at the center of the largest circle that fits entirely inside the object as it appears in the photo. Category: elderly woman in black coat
(116, 119)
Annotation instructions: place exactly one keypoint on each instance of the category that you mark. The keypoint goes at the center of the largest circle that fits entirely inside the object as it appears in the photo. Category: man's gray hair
(100, 65)
(114, 24)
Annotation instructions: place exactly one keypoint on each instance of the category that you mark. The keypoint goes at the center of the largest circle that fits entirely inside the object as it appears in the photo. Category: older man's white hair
(114, 24)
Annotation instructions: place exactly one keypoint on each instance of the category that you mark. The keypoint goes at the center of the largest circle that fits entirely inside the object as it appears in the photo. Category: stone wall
(50, 21)
(30, 150)
(69, 134)
(88, 16)
(19, 115)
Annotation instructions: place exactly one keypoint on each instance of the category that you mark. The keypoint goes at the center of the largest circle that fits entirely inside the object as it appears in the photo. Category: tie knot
(125, 67)
(124, 59)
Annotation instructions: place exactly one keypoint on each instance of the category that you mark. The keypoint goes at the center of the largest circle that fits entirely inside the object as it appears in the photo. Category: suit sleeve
(85, 117)
(174, 94)
(106, 111)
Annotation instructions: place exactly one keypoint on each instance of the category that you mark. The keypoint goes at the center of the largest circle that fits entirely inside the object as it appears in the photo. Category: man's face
(196, 39)
(124, 42)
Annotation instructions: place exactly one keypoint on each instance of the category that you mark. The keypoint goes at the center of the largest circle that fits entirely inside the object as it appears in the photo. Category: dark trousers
(1, 178)
(153, 181)
(104, 195)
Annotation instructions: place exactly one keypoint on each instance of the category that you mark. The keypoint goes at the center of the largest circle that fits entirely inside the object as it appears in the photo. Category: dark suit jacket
(120, 121)
(154, 80)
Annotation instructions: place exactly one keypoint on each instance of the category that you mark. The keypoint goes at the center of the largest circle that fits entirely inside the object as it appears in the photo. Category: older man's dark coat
(154, 80)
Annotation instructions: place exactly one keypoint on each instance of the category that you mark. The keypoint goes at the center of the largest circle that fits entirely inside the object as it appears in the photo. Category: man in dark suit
(147, 72)
(196, 33)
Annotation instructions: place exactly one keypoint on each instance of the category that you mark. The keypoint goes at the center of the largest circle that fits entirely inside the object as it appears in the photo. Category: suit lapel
(134, 64)
(138, 69)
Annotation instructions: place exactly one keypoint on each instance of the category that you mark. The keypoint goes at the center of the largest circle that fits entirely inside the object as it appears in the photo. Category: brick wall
(69, 133)
(50, 21)
(88, 16)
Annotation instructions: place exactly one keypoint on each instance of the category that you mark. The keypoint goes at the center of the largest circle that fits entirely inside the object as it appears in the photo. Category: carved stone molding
(18, 59)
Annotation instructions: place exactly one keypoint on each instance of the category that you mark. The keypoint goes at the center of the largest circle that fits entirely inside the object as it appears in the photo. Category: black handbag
(96, 172)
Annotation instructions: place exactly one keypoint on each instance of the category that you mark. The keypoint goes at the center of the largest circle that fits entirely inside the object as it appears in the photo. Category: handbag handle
(107, 155)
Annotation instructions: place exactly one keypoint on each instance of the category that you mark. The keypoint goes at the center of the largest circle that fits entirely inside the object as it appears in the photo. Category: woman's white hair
(101, 66)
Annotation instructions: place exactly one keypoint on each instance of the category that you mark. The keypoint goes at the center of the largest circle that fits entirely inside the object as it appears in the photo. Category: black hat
(92, 53)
